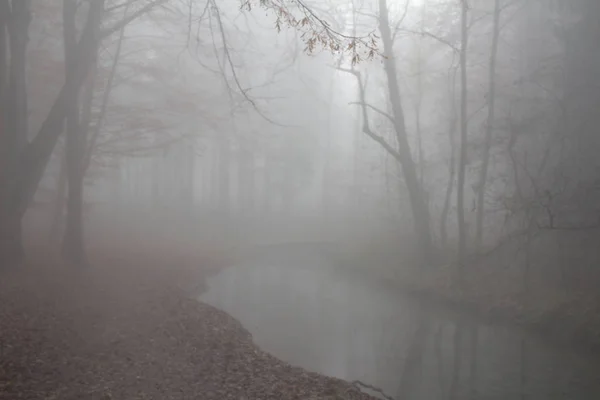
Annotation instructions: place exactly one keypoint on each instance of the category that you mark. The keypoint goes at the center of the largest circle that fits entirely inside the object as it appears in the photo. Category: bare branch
(400, 21)
(433, 36)
(373, 388)
(316, 32)
(106, 97)
(372, 107)
(366, 128)
(125, 21)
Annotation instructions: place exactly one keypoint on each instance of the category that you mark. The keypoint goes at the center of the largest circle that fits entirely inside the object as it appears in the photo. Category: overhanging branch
(366, 127)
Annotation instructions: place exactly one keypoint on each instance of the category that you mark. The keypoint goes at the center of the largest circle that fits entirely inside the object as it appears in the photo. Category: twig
(358, 384)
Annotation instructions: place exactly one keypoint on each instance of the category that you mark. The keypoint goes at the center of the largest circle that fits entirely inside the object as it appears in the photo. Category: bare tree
(26, 160)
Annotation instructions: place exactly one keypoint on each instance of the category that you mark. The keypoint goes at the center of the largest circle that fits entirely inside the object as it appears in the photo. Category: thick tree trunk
(6, 234)
(76, 142)
(418, 204)
(14, 24)
(12, 251)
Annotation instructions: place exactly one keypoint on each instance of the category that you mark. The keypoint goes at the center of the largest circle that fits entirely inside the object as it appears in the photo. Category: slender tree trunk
(224, 174)
(452, 167)
(73, 246)
(356, 190)
(418, 106)
(190, 180)
(58, 211)
(449, 189)
(267, 184)
(462, 229)
(418, 204)
(326, 180)
(251, 180)
(95, 134)
(214, 175)
(489, 128)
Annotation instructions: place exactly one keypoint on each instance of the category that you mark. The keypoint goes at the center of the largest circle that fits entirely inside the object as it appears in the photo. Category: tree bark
(19, 189)
(15, 22)
(489, 128)
(224, 174)
(418, 204)
(462, 231)
(73, 246)
(37, 154)
(452, 161)
(56, 228)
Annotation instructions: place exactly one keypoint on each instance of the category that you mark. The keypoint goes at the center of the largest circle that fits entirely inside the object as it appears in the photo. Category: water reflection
(312, 316)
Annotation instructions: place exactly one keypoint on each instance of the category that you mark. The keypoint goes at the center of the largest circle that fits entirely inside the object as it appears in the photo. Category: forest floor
(127, 328)
(565, 318)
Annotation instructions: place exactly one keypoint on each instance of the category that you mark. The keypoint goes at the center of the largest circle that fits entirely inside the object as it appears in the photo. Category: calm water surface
(303, 310)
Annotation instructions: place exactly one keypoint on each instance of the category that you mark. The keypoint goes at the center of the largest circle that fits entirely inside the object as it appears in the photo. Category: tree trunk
(14, 21)
(6, 230)
(489, 128)
(73, 246)
(452, 161)
(326, 174)
(19, 189)
(267, 184)
(36, 155)
(56, 229)
(224, 174)
(449, 189)
(418, 204)
(462, 229)
(251, 184)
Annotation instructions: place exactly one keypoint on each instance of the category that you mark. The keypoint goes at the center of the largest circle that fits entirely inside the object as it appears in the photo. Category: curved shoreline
(554, 328)
(122, 330)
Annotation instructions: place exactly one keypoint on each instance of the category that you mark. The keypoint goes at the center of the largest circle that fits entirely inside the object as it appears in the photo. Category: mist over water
(327, 156)
(311, 313)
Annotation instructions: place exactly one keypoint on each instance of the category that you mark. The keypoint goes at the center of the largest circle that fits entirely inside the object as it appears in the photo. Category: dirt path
(119, 331)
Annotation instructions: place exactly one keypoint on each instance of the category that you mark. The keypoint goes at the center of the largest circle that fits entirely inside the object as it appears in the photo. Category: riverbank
(567, 319)
(127, 328)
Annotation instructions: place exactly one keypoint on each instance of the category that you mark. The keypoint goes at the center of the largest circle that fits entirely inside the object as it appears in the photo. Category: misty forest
(299, 199)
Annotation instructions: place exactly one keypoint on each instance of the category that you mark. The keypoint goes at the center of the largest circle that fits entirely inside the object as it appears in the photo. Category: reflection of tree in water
(455, 383)
(412, 372)
(474, 329)
(325, 323)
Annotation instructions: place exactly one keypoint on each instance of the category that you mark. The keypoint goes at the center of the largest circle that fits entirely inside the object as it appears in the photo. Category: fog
(444, 149)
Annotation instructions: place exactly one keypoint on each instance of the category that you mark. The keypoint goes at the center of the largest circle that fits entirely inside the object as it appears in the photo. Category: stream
(302, 309)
